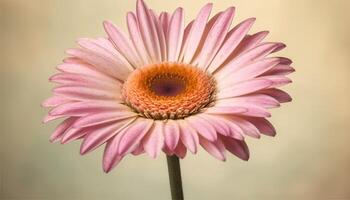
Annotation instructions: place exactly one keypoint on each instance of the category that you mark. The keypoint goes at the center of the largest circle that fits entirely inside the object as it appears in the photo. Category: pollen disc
(168, 90)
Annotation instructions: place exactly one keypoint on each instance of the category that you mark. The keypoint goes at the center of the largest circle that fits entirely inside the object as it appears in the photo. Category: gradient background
(308, 159)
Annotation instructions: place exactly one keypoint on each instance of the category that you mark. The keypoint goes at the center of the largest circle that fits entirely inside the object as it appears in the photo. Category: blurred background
(308, 159)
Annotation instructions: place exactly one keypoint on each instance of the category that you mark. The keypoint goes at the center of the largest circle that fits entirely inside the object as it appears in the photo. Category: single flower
(169, 87)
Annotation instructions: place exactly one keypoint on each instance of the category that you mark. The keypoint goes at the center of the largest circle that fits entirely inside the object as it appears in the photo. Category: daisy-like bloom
(166, 86)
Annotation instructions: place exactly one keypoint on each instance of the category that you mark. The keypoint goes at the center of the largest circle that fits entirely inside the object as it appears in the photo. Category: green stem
(175, 177)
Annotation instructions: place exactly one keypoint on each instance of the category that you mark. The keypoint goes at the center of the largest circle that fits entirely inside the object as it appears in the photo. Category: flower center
(168, 90)
(167, 85)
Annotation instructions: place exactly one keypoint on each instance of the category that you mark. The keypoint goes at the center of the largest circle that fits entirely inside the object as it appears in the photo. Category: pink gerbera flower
(169, 87)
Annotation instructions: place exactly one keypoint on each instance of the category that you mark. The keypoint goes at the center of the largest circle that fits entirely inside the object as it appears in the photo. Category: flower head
(169, 87)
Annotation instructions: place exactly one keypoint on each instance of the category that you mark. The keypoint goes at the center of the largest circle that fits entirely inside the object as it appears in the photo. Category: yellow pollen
(168, 90)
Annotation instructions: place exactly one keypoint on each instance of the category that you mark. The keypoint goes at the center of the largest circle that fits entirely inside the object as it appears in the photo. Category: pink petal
(164, 20)
(237, 147)
(175, 35)
(101, 60)
(255, 110)
(153, 142)
(75, 133)
(201, 44)
(202, 127)
(96, 138)
(85, 69)
(263, 125)
(180, 150)
(250, 42)
(167, 151)
(254, 54)
(280, 70)
(196, 32)
(171, 134)
(98, 49)
(161, 35)
(225, 110)
(185, 40)
(233, 38)
(61, 129)
(101, 64)
(249, 110)
(128, 139)
(123, 44)
(220, 126)
(136, 38)
(277, 94)
(49, 118)
(215, 148)
(148, 31)
(247, 127)
(70, 79)
(252, 70)
(236, 131)
(106, 51)
(85, 93)
(189, 136)
(285, 61)
(257, 99)
(139, 150)
(103, 118)
(74, 60)
(55, 101)
(82, 108)
(279, 47)
(243, 88)
(110, 156)
(277, 81)
(107, 44)
(215, 38)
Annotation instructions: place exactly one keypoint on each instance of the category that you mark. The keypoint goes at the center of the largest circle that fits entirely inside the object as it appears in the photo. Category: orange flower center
(168, 90)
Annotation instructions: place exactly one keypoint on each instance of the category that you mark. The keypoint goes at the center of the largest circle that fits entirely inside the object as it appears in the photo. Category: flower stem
(175, 177)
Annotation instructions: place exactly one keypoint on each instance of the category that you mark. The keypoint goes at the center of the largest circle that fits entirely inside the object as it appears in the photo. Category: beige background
(309, 158)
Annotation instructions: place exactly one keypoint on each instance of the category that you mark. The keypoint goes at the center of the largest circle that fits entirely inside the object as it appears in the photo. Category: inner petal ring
(168, 90)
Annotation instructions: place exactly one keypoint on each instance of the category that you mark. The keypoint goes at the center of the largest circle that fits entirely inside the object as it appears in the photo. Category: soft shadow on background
(308, 159)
